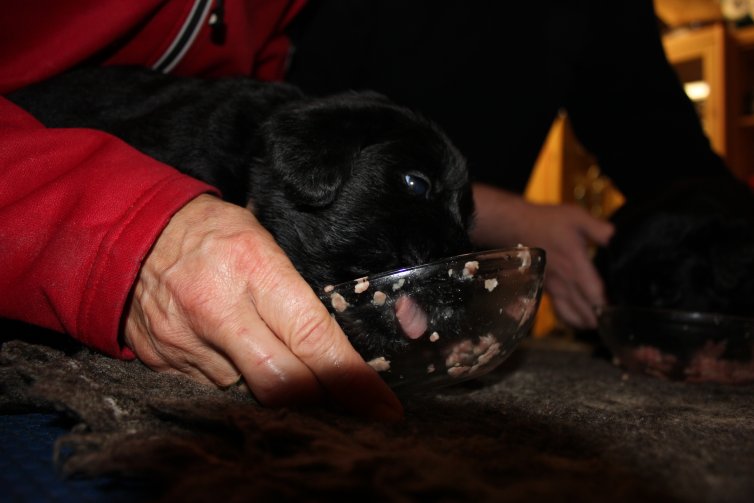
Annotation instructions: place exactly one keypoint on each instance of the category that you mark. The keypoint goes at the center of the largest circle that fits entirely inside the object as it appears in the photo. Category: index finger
(596, 230)
(587, 279)
(293, 312)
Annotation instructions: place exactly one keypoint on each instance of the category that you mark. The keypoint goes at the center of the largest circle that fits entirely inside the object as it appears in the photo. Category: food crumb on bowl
(379, 298)
(434, 337)
(329, 288)
(525, 257)
(470, 269)
(399, 284)
(338, 302)
(362, 284)
(459, 353)
(380, 364)
(469, 357)
(489, 353)
(490, 284)
(458, 370)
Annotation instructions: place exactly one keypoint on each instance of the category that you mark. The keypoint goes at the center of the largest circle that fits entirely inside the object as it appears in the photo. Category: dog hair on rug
(547, 424)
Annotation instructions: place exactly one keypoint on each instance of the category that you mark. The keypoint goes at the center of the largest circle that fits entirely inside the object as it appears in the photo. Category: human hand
(218, 299)
(566, 232)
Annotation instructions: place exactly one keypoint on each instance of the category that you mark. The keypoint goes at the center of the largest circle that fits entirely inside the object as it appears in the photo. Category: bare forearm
(500, 217)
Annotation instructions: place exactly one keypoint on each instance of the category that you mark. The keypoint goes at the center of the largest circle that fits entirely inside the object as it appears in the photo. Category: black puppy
(689, 247)
(348, 185)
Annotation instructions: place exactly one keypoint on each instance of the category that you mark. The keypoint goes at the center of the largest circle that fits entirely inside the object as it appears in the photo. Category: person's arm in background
(445, 59)
(628, 107)
(216, 297)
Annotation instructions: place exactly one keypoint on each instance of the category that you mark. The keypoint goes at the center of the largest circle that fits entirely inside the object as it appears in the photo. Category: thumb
(292, 310)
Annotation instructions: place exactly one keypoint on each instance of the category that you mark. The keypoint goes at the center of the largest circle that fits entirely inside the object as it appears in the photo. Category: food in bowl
(680, 345)
(442, 322)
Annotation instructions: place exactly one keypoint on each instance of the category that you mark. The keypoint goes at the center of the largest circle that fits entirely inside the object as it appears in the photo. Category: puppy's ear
(312, 145)
(311, 151)
(311, 168)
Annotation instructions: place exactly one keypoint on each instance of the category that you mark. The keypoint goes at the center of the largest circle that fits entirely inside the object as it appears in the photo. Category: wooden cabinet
(741, 125)
(716, 56)
(719, 58)
(722, 60)
(699, 57)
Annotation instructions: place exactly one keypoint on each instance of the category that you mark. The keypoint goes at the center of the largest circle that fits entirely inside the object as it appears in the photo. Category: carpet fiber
(556, 424)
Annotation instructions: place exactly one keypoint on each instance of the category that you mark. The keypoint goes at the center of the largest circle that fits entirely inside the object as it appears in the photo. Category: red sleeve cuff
(123, 250)
(79, 211)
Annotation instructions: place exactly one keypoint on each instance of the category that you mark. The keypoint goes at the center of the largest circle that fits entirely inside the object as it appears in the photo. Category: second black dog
(688, 247)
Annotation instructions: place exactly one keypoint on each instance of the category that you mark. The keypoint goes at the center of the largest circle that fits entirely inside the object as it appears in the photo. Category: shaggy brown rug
(556, 424)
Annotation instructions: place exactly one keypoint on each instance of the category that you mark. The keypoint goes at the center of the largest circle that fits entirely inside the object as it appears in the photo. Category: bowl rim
(676, 315)
(453, 258)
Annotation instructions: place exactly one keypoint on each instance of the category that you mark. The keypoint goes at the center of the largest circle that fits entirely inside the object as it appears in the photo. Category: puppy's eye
(417, 185)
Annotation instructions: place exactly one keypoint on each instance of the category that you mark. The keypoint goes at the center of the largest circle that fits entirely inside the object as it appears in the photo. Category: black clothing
(495, 74)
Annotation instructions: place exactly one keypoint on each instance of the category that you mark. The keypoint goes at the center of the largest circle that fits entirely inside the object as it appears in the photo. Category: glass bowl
(680, 345)
(443, 322)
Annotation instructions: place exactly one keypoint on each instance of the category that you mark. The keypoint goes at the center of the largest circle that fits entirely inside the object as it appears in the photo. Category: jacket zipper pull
(217, 24)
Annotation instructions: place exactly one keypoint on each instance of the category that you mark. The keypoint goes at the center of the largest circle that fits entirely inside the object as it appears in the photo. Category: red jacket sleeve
(79, 211)
(34, 47)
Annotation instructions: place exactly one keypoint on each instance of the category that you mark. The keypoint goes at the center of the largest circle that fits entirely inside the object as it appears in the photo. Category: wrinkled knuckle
(188, 291)
(313, 338)
(241, 244)
(247, 253)
(173, 279)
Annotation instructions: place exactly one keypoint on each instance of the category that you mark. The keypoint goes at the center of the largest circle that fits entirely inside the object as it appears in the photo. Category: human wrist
(500, 217)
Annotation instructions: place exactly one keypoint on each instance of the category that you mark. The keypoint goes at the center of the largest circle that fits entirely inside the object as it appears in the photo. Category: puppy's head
(353, 184)
(690, 247)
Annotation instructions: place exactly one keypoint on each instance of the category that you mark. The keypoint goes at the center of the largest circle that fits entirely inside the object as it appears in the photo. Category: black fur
(325, 175)
(690, 247)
